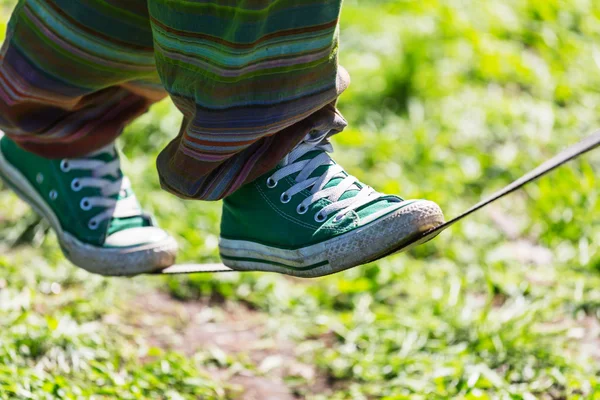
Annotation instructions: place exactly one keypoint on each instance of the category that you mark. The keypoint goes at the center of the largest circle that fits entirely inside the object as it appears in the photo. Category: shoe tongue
(333, 182)
(107, 155)
(120, 224)
(348, 193)
(374, 206)
(367, 209)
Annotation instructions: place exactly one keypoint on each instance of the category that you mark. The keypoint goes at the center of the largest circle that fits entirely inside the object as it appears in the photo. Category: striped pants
(251, 78)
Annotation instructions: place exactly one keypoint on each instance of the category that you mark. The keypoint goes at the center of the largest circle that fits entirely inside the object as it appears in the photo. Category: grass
(449, 101)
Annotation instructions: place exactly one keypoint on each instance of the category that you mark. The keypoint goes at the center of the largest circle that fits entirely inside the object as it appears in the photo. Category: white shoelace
(123, 208)
(306, 167)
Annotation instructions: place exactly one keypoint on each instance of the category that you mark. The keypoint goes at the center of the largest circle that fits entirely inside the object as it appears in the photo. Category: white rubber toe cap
(136, 236)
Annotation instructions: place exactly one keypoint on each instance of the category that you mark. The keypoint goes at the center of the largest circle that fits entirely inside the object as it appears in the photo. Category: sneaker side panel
(53, 186)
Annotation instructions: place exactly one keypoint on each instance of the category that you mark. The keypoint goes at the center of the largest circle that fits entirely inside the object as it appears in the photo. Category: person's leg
(68, 74)
(72, 74)
(256, 82)
(249, 77)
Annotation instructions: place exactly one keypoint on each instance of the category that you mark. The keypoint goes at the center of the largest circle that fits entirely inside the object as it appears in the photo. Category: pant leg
(73, 73)
(252, 78)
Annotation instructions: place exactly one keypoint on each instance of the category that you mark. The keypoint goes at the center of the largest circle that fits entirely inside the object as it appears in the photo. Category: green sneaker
(91, 207)
(308, 218)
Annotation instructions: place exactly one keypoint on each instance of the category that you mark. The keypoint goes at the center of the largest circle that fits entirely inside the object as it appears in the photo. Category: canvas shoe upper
(91, 206)
(308, 217)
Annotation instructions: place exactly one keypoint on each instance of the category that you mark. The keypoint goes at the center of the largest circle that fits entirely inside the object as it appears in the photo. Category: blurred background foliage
(450, 100)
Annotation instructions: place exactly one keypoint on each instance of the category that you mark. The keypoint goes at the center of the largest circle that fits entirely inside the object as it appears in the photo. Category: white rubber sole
(345, 251)
(121, 261)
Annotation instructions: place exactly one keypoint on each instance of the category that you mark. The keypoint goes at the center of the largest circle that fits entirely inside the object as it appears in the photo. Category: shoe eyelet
(320, 217)
(285, 198)
(85, 204)
(271, 183)
(75, 185)
(93, 224)
(64, 166)
(39, 178)
(338, 218)
(53, 195)
(301, 209)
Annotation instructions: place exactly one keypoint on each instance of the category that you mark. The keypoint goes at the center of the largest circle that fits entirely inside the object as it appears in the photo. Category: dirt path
(226, 330)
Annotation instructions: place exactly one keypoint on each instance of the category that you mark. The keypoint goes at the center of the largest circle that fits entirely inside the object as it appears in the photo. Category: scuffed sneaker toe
(424, 215)
(124, 260)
